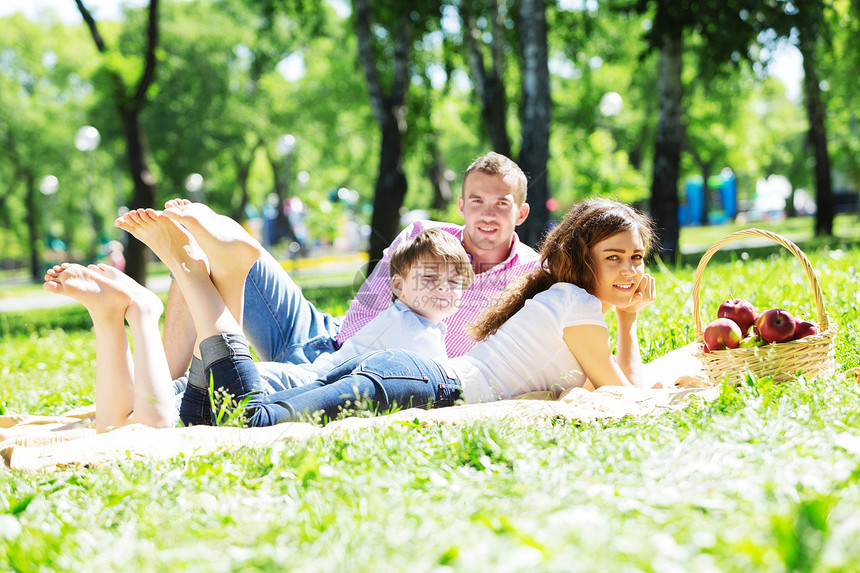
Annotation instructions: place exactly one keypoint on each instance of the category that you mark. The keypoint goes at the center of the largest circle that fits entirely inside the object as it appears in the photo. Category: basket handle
(823, 323)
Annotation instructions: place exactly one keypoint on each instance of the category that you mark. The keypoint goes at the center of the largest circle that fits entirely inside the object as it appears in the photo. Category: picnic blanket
(44, 442)
(55, 442)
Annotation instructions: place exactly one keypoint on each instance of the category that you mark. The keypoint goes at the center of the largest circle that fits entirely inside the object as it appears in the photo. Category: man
(284, 327)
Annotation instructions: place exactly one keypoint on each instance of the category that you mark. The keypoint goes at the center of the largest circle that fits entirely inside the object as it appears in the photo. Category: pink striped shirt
(374, 296)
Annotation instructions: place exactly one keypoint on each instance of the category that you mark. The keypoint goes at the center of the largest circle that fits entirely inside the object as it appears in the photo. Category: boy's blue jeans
(379, 380)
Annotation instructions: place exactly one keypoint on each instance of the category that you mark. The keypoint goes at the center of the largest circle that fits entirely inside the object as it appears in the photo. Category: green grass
(799, 229)
(763, 479)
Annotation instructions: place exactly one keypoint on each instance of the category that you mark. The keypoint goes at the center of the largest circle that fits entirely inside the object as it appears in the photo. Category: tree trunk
(536, 112)
(706, 193)
(435, 170)
(129, 103)
(489, 85)
(33, 228)
(390, 190)
(282, 181)
(243, 171)
(825, 201)
(667, 152)
(144, 188)
(390, 112)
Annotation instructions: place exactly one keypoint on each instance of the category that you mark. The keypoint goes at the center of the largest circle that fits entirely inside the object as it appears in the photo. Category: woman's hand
(627, 349)
(645, 294)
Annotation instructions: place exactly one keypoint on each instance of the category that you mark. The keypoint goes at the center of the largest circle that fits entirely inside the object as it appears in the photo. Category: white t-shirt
(527, 353)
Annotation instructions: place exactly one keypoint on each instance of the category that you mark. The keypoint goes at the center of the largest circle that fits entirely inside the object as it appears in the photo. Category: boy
(428, 274)
(286, 328)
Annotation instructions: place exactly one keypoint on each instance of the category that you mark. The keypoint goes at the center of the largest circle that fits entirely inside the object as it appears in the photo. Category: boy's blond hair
(432, 244)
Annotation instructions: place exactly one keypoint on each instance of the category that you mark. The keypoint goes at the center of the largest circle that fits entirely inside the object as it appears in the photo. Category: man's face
(491, 214)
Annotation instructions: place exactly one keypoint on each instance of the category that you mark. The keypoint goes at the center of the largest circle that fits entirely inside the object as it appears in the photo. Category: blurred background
(325, 127)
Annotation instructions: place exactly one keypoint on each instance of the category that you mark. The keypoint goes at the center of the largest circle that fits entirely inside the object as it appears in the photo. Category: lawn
(763, 479)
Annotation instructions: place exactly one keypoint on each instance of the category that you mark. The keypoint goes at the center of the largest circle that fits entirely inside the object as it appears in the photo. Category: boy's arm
(397, 329)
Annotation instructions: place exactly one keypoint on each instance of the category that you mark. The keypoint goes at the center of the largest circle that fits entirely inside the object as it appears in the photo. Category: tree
(129, 101)
(670, 129)
(839, 64)
(536, 114)
(394, 26)
(489, 82)
(208, 108)
(806, 23)
(39, 83)
(810, 23)
(531, 43)
(604, 113)
(713, 111)
(723, 33)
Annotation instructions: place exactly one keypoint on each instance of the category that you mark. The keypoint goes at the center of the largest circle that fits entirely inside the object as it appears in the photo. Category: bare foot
(90, 286)
(143, 301)
(229, 247)
(168, 240)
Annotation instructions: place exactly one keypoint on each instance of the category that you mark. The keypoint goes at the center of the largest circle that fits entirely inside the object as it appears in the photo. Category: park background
(331, 124)
(765, 478)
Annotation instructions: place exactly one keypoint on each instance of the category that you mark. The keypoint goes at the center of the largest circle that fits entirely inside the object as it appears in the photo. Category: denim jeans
(381, 380)
(284, 328)
(228, 363)
(280, 323)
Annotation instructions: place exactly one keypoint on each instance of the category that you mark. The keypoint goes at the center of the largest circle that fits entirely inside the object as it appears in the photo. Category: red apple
(722, 333)
(804, 328)
(739, 310)
(776, 325)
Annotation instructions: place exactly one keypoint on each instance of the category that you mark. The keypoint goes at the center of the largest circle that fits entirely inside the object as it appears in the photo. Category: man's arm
(179, 332)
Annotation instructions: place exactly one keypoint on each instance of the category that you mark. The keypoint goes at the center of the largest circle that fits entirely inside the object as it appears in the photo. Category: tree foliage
(126, 79)
(397, 112)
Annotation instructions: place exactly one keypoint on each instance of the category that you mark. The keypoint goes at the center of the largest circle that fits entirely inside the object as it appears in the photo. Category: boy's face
(431, 288)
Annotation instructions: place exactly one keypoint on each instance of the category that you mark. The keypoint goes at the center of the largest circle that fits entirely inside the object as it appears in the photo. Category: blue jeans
(380, 380)
(284, 328)
(228, 365)
(280, 323)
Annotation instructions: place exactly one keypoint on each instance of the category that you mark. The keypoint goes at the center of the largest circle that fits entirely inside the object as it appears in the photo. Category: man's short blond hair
(494, 163)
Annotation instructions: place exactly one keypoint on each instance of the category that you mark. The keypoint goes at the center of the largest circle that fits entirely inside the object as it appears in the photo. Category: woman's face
(619, 263)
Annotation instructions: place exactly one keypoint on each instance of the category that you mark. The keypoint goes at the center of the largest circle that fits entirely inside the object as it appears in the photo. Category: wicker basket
(812, 356)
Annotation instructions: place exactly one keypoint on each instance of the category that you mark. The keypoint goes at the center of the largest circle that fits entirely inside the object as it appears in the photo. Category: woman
(547, 333)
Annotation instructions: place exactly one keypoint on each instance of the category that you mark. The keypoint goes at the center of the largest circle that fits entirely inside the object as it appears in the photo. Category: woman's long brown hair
(566, 256)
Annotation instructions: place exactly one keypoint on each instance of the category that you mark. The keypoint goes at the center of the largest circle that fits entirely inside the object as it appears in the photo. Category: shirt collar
(513, 254)
(403, 307)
